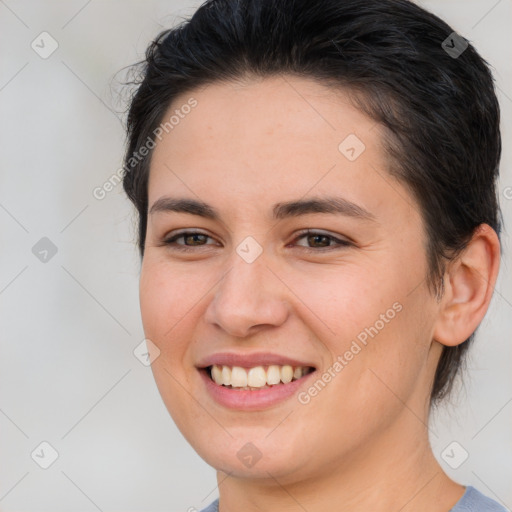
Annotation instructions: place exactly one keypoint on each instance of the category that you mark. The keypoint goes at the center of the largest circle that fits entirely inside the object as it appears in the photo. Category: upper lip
(250, 360)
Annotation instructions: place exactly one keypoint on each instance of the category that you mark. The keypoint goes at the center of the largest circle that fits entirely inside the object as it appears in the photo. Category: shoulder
(213, 507)
(474, 501)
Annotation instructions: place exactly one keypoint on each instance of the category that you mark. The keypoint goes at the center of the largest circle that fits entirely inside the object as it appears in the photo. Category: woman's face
(349, 299)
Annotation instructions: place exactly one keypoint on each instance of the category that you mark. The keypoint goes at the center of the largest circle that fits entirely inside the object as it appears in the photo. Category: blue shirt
(471, 501)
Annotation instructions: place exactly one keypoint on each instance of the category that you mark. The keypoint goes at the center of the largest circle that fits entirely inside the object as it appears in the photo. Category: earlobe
(469, 285)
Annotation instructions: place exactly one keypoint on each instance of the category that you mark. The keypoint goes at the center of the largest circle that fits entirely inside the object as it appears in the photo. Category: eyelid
(340, 242)
(168, 239)
(345, 241)
(320, 232)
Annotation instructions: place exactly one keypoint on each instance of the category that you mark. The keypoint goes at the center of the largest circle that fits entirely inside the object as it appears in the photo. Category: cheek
(379, 333)
(345, 301)
(167, 301)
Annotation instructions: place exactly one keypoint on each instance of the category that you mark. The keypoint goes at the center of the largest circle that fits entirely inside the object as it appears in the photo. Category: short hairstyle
(439, 111)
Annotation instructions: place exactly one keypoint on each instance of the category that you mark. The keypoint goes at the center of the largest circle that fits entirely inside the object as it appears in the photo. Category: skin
(362, 442)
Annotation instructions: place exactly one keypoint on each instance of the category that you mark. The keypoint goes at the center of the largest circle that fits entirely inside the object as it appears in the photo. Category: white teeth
(217, 373)
(226, 376)
(238, 377)
(273, 374)
(286, 373)
(256, 377)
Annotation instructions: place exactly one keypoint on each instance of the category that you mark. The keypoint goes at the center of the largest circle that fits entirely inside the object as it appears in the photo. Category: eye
(323, 239)
(187, 236)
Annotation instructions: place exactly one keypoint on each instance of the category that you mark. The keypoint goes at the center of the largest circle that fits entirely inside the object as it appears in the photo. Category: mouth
(254, 389)
(253, 381)
(255, 378)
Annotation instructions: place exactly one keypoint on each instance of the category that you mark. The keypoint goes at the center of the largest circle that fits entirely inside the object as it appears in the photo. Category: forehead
(268, 140)
(252, 118)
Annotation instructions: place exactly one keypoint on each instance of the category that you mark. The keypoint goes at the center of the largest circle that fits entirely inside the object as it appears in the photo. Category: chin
(241, 458)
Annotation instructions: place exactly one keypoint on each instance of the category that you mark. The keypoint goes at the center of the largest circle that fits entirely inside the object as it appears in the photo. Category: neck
(395, 472)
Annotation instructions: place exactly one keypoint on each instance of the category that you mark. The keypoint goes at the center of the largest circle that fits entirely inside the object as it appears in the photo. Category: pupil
(318, 236)
(194, 236)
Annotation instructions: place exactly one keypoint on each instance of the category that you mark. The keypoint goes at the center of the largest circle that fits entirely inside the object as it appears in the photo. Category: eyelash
(341, 243)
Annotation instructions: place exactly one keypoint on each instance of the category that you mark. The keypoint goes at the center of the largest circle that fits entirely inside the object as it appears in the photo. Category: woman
(318, 226)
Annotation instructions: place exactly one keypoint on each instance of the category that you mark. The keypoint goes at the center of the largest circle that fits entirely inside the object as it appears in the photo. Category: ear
(469, 284)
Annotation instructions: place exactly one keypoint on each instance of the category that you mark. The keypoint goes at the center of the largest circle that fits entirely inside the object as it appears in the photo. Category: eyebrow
(332, 205)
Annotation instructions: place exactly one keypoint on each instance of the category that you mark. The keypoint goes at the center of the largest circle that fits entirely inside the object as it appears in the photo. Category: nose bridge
(249, 294)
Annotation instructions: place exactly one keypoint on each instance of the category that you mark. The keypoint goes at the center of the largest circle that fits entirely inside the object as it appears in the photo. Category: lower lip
(255, 400)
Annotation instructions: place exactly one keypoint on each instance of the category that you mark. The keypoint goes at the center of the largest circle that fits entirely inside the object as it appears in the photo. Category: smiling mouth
(255, 378)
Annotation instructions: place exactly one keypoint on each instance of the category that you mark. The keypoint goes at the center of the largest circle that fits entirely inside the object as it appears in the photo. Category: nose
(249, 297)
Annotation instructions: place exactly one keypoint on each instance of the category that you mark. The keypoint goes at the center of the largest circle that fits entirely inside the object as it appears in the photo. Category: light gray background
(69, 326)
